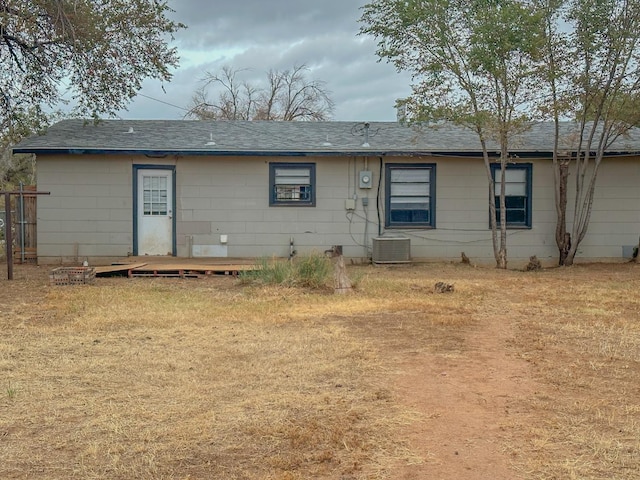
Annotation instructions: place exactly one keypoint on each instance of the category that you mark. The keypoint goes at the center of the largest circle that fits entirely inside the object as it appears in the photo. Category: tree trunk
(502, 252)
(492, 201)
(563, 239)
(565, 247)
(502, 257)
(584, 206)
(342, 282)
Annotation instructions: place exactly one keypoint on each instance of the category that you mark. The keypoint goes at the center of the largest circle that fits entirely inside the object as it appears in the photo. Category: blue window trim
(432, 195)
(274, 202)
(528, 168)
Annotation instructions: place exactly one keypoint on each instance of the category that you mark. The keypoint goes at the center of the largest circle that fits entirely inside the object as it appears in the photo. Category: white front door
(155, 214)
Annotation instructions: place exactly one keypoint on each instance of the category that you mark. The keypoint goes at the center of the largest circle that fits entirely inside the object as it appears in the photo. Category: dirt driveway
(468, 399)
(466, 386)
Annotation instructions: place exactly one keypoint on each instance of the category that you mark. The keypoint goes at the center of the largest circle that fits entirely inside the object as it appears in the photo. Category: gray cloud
(223, 23)
(259, 35)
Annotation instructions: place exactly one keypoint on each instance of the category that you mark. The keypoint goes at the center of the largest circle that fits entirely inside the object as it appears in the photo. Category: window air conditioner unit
(391, 250)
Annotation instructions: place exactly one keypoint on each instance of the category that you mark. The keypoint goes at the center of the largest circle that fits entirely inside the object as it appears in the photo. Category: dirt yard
(513, 375)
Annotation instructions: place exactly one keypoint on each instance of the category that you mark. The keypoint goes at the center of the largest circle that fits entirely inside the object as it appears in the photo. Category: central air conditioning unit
(391, 249)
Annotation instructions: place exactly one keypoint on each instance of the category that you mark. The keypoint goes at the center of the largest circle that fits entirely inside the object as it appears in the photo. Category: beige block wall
(615, 221)
(90, 210)
(462, 216)
(230, 196)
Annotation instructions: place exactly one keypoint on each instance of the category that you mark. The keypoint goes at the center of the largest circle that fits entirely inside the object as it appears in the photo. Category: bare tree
(288, 96)
(235, 101)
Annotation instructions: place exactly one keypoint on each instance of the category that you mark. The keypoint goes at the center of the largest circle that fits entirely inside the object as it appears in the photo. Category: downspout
(365, 207)
(378, 198)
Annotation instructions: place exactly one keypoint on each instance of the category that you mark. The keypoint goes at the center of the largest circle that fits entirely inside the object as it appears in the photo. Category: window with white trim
(292, 184)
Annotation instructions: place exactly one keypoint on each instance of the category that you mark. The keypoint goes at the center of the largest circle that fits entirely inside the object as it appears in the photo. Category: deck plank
(118, 268)
(170, 268)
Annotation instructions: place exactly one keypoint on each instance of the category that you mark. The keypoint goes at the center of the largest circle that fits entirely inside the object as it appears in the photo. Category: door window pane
(155, 195)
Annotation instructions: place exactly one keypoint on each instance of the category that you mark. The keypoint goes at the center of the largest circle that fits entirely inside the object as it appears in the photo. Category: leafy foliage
(99, 52)
(470, 59)
(591, 74)
(16, 169)
(91, 54)
(473, 64)
(497, 65)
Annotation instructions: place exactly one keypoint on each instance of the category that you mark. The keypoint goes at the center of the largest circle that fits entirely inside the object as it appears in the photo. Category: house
(252, 189)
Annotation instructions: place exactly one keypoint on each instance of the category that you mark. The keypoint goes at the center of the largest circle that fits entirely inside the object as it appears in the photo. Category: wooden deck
(174, 267)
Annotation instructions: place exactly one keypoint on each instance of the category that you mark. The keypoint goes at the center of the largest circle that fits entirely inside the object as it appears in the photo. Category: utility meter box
(366, 179)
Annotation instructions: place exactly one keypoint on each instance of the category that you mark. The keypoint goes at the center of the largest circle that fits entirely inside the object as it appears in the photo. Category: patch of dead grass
(177, 379)
(155, 378)
(584, 340)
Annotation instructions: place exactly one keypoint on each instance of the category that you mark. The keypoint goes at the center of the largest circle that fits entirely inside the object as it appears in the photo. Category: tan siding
(239, 207)
(90, 210)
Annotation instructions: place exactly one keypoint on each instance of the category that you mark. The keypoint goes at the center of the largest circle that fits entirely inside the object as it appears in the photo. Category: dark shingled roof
(185, 137)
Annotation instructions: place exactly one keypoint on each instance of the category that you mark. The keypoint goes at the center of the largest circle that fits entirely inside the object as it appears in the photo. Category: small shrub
(267, 272)
(356, 276)
(274, 272)
(11, 391)
(313, 271)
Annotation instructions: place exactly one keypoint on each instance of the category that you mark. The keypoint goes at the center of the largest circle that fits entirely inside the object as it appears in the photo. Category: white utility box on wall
(391, 249)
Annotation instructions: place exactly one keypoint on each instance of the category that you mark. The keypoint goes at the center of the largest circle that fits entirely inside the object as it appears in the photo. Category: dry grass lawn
(213, 378)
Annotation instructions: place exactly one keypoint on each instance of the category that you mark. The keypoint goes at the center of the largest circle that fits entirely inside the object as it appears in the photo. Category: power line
(162, 101)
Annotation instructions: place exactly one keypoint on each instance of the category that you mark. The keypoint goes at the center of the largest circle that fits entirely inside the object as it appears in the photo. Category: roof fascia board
(266, 153)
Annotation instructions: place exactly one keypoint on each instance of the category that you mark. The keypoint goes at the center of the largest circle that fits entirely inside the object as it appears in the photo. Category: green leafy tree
(591, 73)
(94, 54)
(91, 54)
(473, 62)
(16, 169)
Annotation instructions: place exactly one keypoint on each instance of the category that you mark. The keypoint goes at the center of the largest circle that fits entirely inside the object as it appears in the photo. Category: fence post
(8, 238)
(22, 222)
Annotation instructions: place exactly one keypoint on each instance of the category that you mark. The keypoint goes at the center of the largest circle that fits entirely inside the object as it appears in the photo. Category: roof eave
(284, 153)
(197, 152)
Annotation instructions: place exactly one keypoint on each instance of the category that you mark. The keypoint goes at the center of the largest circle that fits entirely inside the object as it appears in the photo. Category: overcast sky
(259, 35)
